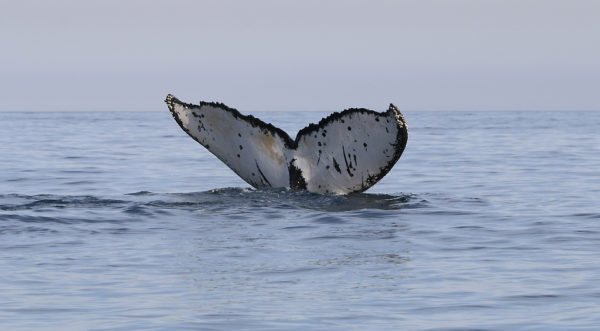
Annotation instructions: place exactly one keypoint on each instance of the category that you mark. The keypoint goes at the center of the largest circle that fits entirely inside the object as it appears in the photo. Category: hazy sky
(300, 55)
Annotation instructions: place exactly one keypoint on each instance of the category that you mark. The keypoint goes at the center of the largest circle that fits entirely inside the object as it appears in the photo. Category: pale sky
(126, 55)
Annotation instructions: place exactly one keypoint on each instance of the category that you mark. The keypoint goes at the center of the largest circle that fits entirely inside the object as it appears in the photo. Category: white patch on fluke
(344, 153)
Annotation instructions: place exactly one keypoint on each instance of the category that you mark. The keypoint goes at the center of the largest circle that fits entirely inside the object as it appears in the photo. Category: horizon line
(306, 110)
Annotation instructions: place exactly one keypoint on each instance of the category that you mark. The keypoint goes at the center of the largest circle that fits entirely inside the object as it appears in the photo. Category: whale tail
(344, 153)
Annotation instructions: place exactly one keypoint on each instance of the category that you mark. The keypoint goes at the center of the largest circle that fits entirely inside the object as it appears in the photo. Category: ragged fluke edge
(344, 153)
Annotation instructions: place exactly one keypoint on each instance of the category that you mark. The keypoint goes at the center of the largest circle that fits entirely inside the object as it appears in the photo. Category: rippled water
(490, 220)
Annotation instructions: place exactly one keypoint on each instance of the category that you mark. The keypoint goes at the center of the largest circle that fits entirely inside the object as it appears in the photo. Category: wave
(217, 199)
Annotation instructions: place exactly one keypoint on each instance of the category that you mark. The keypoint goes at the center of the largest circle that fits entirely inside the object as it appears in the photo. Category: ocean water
(119, 221)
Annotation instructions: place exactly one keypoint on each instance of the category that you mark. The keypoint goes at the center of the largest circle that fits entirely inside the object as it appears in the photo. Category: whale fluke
(344, 153)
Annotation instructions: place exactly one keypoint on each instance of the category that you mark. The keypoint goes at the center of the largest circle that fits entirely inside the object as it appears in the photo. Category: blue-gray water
(120, 221)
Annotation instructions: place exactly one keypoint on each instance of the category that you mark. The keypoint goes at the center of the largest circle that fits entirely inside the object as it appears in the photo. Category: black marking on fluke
(261, 174)
(297, 181)
(296, 178)
(336, 166)
(346, 161)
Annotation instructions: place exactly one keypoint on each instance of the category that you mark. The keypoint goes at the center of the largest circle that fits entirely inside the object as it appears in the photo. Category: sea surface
(120, 221)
